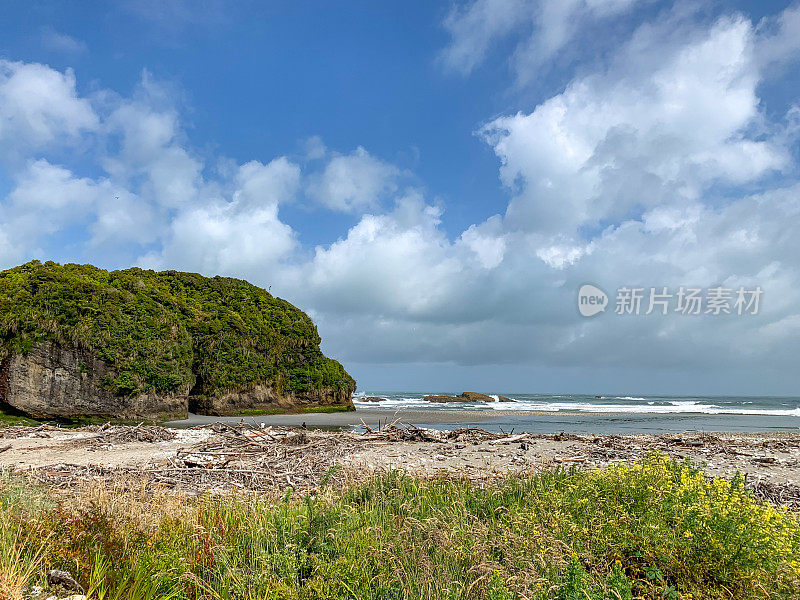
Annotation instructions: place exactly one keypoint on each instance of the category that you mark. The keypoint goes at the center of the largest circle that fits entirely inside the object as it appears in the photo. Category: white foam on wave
(647, 407)
(675, 408)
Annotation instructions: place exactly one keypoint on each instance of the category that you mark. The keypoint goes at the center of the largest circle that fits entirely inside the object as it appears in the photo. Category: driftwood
(261, 459)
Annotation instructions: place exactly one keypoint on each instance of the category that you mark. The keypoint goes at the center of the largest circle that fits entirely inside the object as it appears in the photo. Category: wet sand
(347, 420)
(531, 421)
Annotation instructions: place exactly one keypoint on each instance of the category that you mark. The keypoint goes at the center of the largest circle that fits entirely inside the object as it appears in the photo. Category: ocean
(579, 413)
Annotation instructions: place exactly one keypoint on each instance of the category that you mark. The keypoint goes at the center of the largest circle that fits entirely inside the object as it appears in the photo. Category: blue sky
(431, 181)
(255, 81)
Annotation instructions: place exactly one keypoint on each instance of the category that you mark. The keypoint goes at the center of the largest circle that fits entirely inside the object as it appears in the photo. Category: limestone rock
(52, 381)
(265, 398)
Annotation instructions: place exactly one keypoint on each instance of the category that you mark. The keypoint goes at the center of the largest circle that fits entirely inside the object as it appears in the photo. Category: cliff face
(54, 382)
(80, 341)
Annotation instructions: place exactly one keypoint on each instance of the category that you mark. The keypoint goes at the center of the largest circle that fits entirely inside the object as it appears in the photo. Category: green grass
(11, 417)
(327, 409)
(656, 529)
(167, 331)
(292, 411)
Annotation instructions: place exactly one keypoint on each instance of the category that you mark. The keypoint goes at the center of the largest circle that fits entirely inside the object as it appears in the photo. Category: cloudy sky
(431, 181)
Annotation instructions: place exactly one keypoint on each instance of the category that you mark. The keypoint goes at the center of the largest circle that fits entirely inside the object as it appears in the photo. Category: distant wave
(684, 408)
(555, 404)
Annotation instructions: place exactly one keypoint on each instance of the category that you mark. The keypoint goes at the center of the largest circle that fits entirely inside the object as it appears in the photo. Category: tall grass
(20, 555)
(653, 529)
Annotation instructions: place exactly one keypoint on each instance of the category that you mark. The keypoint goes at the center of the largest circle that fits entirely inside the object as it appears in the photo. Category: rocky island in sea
(79, 341)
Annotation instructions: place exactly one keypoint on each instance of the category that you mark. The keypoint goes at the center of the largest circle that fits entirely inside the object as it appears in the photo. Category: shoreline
(519, 420)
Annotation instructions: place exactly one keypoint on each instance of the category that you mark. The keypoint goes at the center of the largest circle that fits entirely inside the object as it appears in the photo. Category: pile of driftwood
(260, 459)
(780, 494)
(16, 431)
(256, 459)
(107, 435)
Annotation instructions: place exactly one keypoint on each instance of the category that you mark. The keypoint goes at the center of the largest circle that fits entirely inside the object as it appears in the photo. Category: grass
(12, 417)
(655, 529)
(292, 411)
(327, 409)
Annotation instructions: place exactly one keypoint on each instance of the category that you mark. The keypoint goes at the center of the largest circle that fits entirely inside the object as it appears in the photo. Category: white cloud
(473, 29)
(385, 265)
(354, 182)
(223, 239)
(40, 106)
(243, 235)
(151, 147)
(61, 42)
(487, 242)
(545, 28)
(45, 199)
(664, 123)
(48, 199)
(315, 148)
(779, 39)
(267, 185)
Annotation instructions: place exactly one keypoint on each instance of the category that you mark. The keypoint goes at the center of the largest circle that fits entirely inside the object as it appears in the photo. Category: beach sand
(581, 422)
(222, 457)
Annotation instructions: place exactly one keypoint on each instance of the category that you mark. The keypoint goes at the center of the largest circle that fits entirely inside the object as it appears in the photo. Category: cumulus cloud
(45, 199)
(40, 106)
(610, 183)
(354, 182)
(241, 235)
(151, 148)
(665, 121)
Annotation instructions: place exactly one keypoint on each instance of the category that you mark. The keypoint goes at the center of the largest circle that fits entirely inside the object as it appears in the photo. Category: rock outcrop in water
(467, 397)
(78, 341)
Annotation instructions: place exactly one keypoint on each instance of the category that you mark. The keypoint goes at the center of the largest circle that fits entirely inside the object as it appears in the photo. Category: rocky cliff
(54, 382)
(78, 341)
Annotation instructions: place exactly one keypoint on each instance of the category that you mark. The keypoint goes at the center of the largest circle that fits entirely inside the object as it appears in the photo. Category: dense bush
(166, 331)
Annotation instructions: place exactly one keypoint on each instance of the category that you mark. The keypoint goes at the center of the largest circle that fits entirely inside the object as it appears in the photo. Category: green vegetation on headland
(295, 411)
(11, 418)
(166, 332)
(655, 529)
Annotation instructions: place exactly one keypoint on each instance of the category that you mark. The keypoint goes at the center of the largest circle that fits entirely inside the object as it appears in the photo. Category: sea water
(579, 413)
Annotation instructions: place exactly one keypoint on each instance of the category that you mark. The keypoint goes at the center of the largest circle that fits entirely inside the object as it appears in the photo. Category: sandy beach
(219, 457)
(534, 421)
